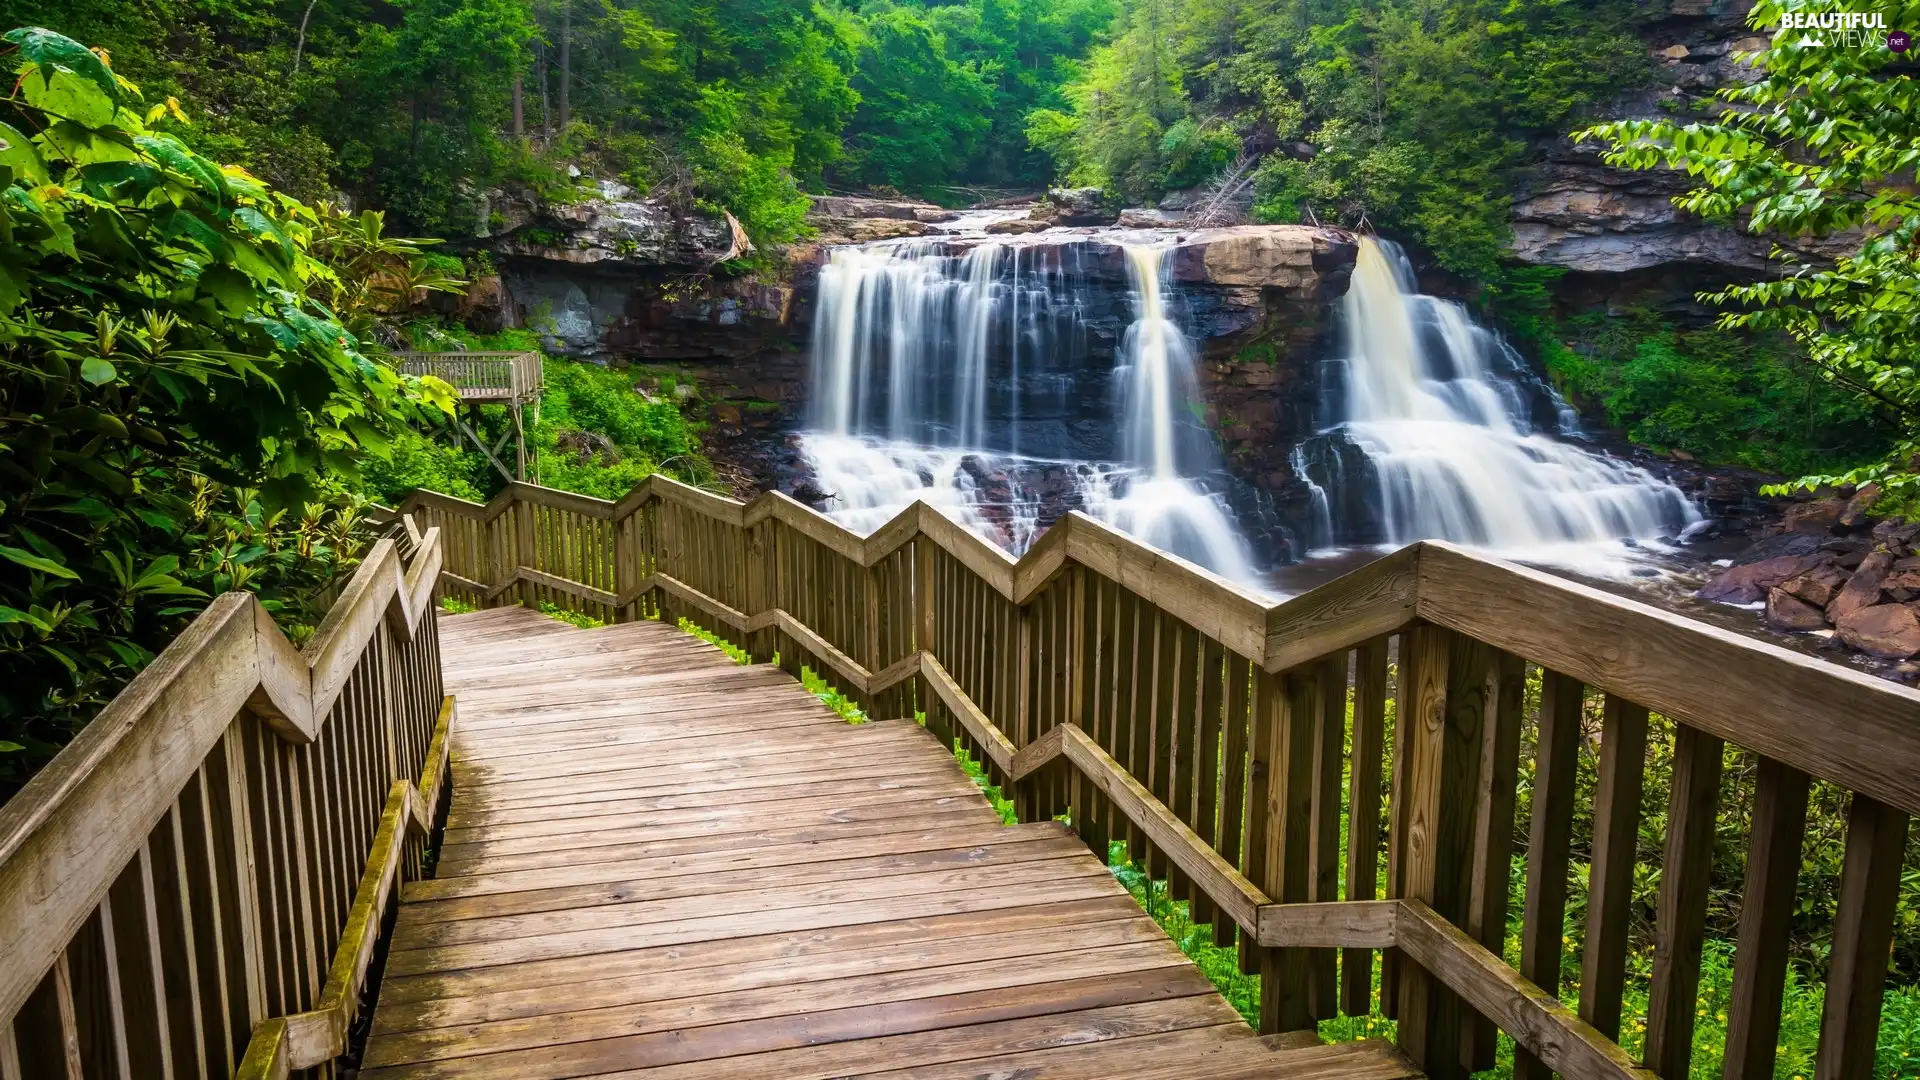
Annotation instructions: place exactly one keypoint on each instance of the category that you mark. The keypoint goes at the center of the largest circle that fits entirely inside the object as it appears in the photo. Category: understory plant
(179, 415)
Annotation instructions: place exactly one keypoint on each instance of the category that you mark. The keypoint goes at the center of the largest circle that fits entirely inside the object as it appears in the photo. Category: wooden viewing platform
(542, 851)
(512, 379)
(661, 863)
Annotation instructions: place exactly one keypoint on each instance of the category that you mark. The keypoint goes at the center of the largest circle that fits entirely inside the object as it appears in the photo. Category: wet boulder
(1862, 590)
(1889, 630)
(1789, 612)
(1750, 583)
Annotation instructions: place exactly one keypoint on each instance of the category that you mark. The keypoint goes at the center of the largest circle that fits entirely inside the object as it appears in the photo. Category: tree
(920, 113)
(1823, 145)
(177, 414)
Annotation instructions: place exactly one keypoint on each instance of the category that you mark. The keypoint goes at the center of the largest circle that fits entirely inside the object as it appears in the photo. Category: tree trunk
(300, 46)
(566, 64)
(519, 109)
(546, 110)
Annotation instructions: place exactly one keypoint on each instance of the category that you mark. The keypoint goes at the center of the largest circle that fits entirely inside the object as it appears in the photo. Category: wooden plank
(1681, 917)
(1377, 599)
(1363, 821)
(821, 1027)
(1862, 940)
(1493, 834)
(1323, 831)
(661, 975)
(1616, 834)
(1779, 826)
(1549, 843)
(963, 1044)
(1445, 732)
(708, 955)
(1567, 1044)
(557, 1030)
(1749, 692)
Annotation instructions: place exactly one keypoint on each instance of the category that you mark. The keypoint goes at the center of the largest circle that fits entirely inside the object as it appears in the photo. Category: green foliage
(734, 652)
(177, 416)
(1416, 113)
(919, 110)
(1825, 142)
(834, 699)
(1725, 397)
(572, 618)
(948, 88)
(595, 433)
(454, 606)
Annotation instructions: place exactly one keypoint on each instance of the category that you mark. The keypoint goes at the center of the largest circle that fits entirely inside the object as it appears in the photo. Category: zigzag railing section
(1226, 742)
(193, 873)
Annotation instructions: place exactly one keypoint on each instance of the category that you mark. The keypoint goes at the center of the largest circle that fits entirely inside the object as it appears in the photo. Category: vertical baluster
(1766, 917)
(1140, 726)
(180, 946)
(1284, 1002)
(1329, 731)
(1493, 836)
(1267, 689)
(1549, 842)
(1862, 939)
(1363, 815)
(1616, 835)
(1681, 918)
(1184, 727)
(1125, 676)
(46, 1030)
(1445, 729)
(1233, 787)
(1406, 682)
(1207, 782)
(132, 907)
(213, 917)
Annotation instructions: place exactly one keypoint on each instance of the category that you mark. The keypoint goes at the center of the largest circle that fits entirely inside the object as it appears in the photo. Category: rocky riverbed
(1830, 571)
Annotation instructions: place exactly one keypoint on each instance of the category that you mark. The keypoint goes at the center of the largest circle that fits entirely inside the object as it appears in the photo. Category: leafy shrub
(176, 416)
(1725, 397)
(417, 461)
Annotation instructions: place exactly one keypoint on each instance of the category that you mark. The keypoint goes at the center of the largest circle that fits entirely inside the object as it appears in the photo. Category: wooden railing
(193, 873)
(479, 376)
(1226, 742)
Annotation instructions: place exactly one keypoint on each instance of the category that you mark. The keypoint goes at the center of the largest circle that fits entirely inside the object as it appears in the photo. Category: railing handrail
(517, 372)
(1745, 690)
(69, 832)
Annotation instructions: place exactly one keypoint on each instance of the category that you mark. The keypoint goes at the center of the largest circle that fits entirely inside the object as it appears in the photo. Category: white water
(1162, 506)
(904, 350)
(1438, 408)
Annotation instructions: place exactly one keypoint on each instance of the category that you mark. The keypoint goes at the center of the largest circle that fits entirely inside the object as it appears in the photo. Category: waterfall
(1162, 505)
(1452, 433)
(951, 372)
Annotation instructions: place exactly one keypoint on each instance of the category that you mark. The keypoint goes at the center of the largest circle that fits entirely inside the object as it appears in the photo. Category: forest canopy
(1405, 116)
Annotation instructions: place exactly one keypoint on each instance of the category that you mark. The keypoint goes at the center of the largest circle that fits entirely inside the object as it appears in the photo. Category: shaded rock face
(614, 229)
(1575, 211)
(1077, 206)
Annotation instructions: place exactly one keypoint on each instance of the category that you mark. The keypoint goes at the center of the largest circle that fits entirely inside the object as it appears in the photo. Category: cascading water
(1161, 504)
(952, 372)
(1440, 431)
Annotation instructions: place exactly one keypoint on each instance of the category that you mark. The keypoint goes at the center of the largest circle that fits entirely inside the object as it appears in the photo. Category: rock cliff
(1573, 210)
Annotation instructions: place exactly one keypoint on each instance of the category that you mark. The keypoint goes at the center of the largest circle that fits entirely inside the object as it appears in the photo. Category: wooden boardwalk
(659, 863)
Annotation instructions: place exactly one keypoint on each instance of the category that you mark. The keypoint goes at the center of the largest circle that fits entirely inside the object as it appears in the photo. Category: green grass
(572, 618)
(457, 607)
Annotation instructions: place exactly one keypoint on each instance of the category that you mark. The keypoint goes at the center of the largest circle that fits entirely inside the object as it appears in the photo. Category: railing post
(759, 580)
(1444, 733)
